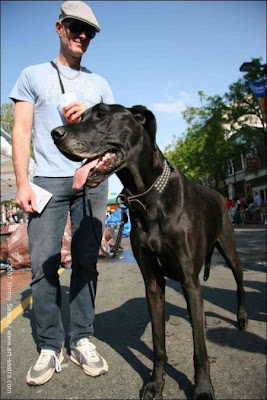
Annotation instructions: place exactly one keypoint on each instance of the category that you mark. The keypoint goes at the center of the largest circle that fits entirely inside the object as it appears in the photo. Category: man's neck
(69, 61)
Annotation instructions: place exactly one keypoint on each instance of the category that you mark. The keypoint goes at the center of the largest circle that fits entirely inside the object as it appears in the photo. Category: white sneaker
(86, 356)
(48, 362)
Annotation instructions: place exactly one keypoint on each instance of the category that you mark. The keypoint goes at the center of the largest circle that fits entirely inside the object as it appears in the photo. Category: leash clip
(131, 202)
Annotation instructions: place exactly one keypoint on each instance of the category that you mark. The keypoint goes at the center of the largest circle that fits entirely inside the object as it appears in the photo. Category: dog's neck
(143, 187)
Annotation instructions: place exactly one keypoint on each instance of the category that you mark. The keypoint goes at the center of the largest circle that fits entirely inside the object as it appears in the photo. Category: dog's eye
(100, 114)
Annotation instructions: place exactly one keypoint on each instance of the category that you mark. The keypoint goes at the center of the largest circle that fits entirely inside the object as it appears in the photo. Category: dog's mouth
(97, 169)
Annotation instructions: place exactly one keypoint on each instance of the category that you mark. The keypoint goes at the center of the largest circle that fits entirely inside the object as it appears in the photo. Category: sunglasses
(79, 27)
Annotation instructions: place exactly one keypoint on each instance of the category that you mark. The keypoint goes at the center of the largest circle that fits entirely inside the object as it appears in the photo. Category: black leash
(124, 220)
(60, 81)
(86, 189)
(124, 217)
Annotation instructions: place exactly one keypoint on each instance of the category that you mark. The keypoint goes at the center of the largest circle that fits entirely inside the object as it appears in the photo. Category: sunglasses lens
(77, 28)
(91, 34)
(74, 28)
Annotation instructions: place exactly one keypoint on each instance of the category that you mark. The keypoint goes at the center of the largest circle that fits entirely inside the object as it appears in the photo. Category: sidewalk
(252, 225)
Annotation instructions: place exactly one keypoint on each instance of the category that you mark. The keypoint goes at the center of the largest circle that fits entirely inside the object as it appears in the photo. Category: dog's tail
(207, 264)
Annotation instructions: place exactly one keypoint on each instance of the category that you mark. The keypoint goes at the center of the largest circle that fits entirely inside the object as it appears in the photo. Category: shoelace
(89, 348)
(45, 354)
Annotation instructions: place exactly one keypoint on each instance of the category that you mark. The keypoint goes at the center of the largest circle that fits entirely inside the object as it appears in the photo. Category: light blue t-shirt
(39, 85)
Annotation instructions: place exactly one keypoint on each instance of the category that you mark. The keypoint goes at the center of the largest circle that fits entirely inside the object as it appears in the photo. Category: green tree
(7, 114)
(7, 111)
(219, 131)
(244, 114)
(203, 153)
(242, 103)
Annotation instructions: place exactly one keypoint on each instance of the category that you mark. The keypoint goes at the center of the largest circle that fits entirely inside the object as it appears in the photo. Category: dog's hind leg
(203, 386)
(226, 246)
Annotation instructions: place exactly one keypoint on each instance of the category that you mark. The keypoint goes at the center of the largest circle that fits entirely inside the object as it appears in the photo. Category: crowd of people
(244, 209)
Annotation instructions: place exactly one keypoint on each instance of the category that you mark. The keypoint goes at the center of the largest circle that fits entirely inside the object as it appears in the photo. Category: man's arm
(21, 140)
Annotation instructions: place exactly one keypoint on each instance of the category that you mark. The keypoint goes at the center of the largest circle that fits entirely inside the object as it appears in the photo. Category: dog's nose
(58, 133)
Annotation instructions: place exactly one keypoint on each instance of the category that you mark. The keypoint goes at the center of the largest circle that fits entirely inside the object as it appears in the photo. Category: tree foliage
(7, 115)
(219, 131)
(202, 153)
(240, 98)
(244, 114)
(7, 110)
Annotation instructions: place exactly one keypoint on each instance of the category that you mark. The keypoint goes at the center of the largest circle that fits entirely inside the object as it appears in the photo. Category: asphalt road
(123, 334)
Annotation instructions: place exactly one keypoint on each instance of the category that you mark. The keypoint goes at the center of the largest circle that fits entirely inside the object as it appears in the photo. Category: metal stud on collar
(162, 180)
(141, 202)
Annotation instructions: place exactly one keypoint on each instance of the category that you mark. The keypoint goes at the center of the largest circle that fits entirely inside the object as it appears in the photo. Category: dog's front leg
(155, 294)
(193, 295)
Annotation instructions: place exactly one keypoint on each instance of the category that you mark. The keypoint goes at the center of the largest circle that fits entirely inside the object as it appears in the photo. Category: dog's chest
(156, 243)
(150, 234)
(153, 242)
(165, 257)
(156, 240)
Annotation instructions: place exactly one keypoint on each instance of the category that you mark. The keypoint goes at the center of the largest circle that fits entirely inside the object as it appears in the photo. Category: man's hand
(25, 199)
(74, 111)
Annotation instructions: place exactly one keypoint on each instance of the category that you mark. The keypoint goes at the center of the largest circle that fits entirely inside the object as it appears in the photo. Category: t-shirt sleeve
(23, 89)
(108, 97)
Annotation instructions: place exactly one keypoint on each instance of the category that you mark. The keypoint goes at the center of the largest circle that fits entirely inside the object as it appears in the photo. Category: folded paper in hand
(42, 197)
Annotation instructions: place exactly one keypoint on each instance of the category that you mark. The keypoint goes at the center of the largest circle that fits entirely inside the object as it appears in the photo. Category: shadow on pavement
(122, 328)
(227, 300)
(241, 340)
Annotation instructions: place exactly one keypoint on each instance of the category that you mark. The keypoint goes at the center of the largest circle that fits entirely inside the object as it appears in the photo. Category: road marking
(6, 321)
(14, 313)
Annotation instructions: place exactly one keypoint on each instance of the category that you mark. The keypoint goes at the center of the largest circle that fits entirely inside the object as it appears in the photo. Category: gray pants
(45, 240)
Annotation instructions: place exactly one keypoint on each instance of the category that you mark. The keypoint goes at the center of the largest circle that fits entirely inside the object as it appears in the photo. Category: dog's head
(106, 134)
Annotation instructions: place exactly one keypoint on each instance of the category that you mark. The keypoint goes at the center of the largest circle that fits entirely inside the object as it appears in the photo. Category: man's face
(75, 43)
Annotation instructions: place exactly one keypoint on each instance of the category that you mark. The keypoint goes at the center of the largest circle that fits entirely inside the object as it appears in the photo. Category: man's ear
(146, 118)
(59, 28)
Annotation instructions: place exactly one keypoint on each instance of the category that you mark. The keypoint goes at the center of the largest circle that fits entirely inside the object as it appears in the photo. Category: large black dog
(175, 223)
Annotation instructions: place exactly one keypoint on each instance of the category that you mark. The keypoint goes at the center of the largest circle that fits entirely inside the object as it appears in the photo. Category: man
(258, 199)
(37, 96)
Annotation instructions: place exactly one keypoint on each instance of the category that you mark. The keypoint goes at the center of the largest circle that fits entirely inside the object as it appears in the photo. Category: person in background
(230, 205)
(243, 202)
(243, 207)
(257, 199)
(237, 213)
(37, 95)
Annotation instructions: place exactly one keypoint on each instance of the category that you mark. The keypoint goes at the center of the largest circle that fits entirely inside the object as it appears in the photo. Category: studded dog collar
(141, 202)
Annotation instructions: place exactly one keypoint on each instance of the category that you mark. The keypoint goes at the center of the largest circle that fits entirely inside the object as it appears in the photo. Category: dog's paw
(203, 395)
(204, 391)
(153, 391)
(242, 322)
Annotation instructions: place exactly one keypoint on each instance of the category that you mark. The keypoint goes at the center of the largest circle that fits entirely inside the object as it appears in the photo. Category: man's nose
(83, 35)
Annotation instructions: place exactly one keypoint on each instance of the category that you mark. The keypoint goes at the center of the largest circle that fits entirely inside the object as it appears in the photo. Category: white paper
(42, 197)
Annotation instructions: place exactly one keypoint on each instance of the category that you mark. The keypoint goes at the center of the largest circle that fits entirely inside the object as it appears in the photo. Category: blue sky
(155, 53)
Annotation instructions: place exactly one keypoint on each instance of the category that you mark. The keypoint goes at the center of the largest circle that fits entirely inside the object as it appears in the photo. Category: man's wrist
(22, 182)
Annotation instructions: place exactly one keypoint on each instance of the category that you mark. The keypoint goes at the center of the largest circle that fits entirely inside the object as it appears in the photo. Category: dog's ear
(146, 118)
(86, 114)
